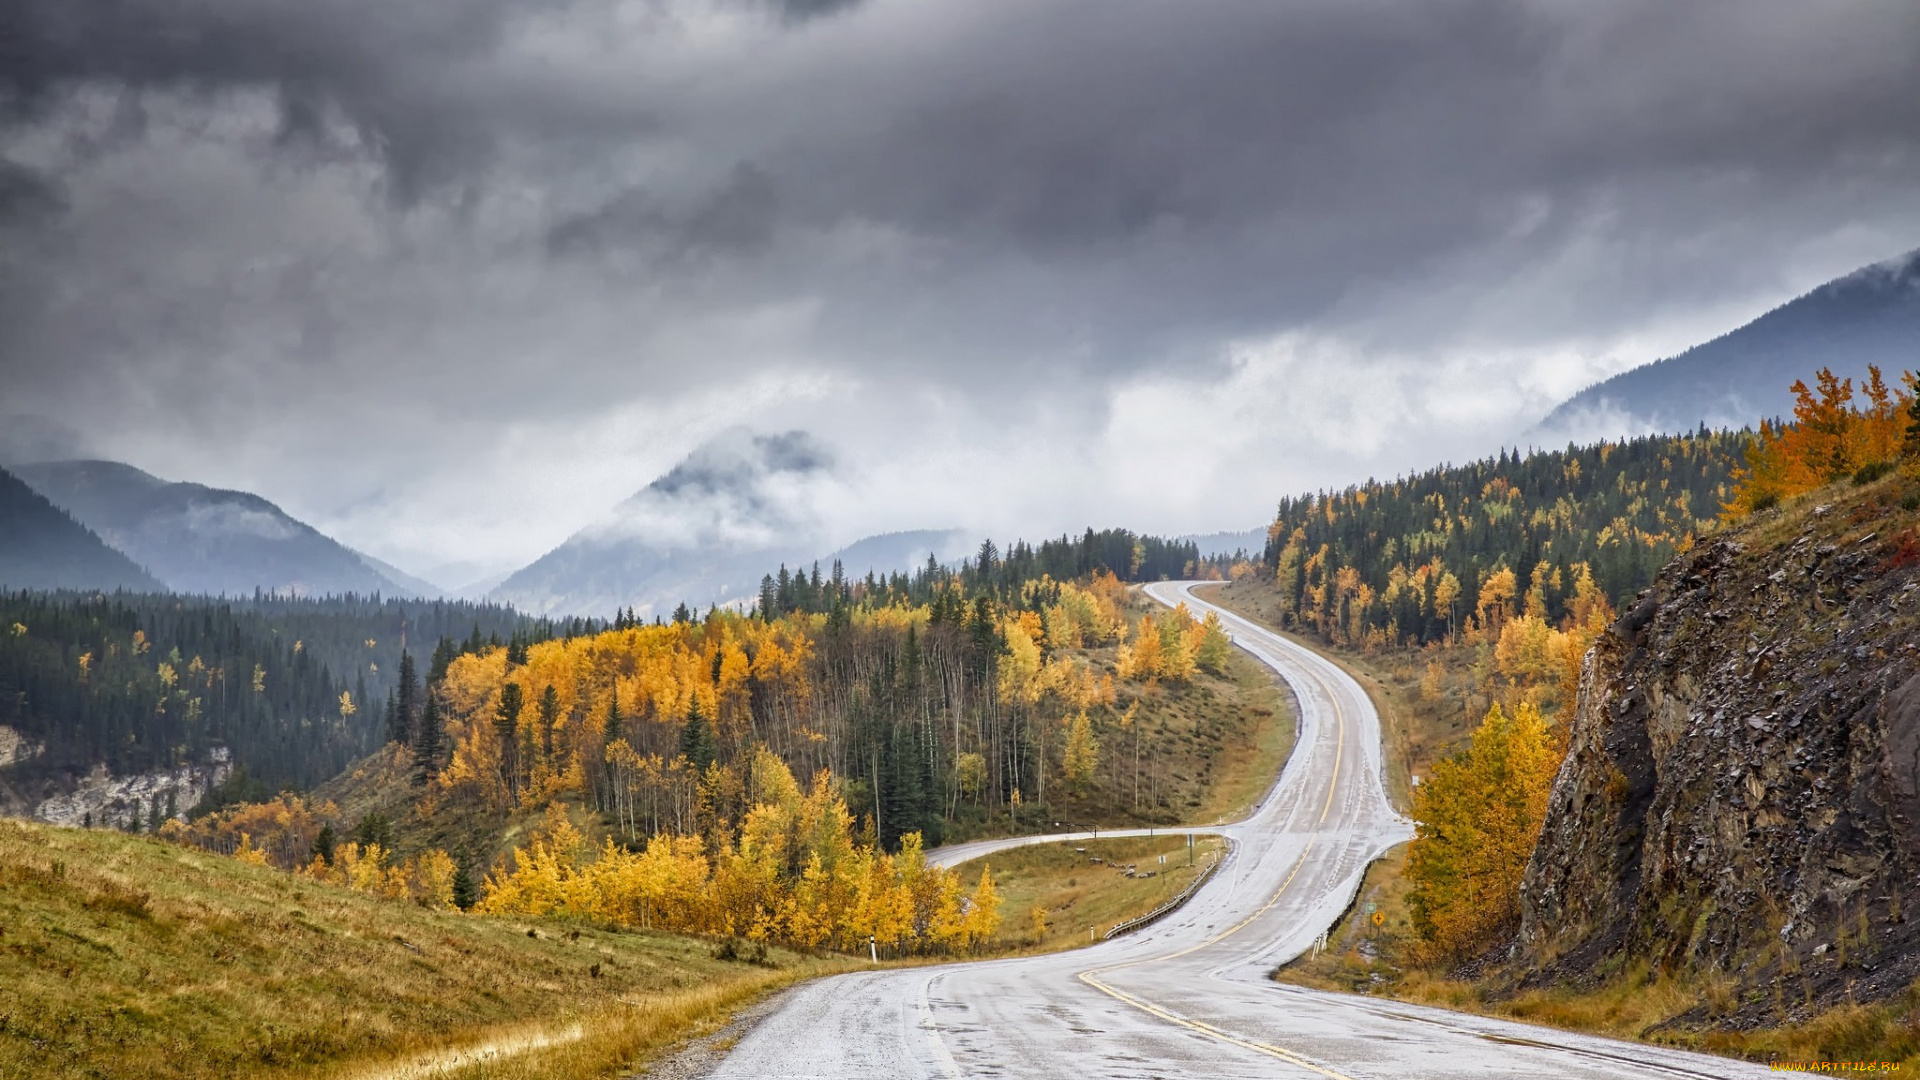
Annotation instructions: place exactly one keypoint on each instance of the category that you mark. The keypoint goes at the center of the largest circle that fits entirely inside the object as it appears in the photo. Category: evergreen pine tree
(465, 895)
(427, 739)
(323, 844)
(613, 727)
(506, 725)
(406, 702)
(374, 828)
(1910, 444)
(443, 655)
(696, 739)
(549, 716)
(390, 718)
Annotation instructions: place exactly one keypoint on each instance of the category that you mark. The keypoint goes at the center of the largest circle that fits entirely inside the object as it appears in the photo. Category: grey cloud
(803, 10)
(398, 73)
(743, 465)
(492, 224)
(738, 217)
(27, 193)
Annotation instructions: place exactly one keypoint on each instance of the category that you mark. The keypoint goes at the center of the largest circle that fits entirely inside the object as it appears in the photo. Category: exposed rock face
(1742, 789)
(108, 801)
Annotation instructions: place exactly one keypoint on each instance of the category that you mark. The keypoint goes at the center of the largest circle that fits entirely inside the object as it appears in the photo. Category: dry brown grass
(124, 956)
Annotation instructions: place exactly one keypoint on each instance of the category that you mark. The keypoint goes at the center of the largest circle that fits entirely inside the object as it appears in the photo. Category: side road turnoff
(1190, 996)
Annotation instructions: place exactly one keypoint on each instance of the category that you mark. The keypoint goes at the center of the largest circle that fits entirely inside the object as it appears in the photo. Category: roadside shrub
(1871, 471)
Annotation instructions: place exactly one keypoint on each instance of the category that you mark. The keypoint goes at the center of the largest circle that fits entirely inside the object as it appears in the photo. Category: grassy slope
(1080, 894)
(1207, 750)
(126, 956)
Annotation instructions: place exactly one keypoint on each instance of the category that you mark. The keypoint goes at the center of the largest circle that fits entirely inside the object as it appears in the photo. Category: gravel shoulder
(699, 1057)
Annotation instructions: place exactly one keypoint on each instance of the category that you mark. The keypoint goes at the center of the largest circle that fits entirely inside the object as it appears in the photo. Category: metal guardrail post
(1167, 908)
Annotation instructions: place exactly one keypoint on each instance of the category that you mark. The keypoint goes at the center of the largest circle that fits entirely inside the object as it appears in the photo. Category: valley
(1638, 772)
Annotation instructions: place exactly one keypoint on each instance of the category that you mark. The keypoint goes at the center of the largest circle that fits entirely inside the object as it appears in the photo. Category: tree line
(145, 682)
(1426, 558)
(999, 574)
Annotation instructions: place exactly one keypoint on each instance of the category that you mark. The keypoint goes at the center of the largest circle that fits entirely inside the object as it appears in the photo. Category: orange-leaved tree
(1829, 439)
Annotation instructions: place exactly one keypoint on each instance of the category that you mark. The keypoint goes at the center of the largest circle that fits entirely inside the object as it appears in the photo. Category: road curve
(1190, 996)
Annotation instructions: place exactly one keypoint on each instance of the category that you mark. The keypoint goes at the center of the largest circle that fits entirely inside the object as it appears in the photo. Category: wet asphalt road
(1190, 996)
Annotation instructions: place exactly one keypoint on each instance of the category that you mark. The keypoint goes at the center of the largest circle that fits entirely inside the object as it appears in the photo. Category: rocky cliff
(1741, 796)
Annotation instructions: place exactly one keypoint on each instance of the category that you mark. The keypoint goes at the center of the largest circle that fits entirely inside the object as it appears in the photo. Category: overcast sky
(451, 279)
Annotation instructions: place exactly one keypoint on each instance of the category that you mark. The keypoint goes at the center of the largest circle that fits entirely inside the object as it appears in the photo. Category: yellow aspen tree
(983, 913)
(1146, 657)
(249, 854)
(1495, 605)
(1479, 815)
(1214, 645)
(1082, 754)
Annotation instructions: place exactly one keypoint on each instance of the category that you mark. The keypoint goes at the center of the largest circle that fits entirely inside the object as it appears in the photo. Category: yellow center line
(1091, 978)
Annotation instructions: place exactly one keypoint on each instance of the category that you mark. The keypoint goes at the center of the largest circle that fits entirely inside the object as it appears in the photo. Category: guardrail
(1165, 909)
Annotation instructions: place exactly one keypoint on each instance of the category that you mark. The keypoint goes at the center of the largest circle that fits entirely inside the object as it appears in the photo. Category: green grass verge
(1084, 898)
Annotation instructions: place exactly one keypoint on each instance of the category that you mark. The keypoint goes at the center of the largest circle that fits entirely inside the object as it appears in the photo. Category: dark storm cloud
(737, 218)
(498, 223)
(403, 75)
(27, 193)
(802, 10)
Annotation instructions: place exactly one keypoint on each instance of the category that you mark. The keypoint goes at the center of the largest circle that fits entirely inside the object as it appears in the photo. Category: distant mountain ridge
(199, 539)
(1871, 316)
(43, 547)
(1251, 541)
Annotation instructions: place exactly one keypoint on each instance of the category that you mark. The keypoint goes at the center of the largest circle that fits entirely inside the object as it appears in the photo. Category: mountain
(42, 547)
(705, 532)
(405, 584)
(1253, 542)
(901, 551)
(199, 539)
(1871, 316)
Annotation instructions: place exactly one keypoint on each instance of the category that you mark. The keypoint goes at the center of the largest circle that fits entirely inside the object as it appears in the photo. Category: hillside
(43, 547)
(123, 956)
(1740, 800)
(1729, 851)
(134, 702)
(198, 539)
(1424, 558)
(1868, 317)
(923, 720)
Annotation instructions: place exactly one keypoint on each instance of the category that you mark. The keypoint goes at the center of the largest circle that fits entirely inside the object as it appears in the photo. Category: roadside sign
(1379, 918)
(1372, 907)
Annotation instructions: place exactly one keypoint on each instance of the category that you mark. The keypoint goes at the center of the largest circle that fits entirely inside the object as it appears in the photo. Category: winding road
(1190, 995)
